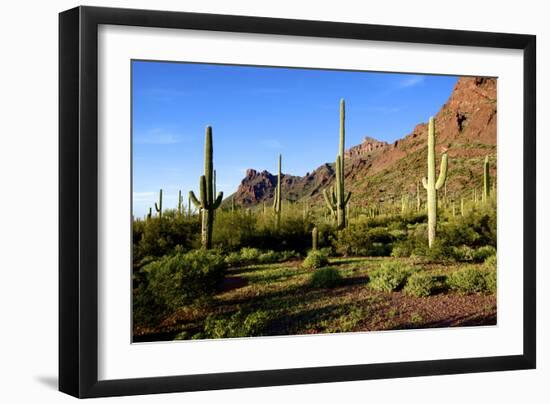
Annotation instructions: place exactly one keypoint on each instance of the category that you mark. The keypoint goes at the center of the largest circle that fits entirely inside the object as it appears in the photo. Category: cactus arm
(442, 172)
(328, 201)
(347, 198)
(218, 201)
(194, 199)
(157, 207)
(203, 192)
(424, 182)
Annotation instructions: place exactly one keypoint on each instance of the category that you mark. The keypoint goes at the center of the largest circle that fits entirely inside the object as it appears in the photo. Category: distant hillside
(377, 171)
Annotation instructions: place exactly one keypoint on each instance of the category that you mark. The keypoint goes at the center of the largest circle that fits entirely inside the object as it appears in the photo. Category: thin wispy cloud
(159, 136)
(411, 81)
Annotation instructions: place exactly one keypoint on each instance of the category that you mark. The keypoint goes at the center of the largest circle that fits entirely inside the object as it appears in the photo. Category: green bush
(239, 324)
(360, 239)
(401, 251)
(491, 281)
(463, 253)
(389, 277)
(248, 256)
(327, 277)
(315, 259)
(484, 252)
(421, 284)
(156, 238)
(469, 280)
(491, 262)
(183, 278)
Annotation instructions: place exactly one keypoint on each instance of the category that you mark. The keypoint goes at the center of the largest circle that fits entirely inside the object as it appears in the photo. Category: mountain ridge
(377, 171)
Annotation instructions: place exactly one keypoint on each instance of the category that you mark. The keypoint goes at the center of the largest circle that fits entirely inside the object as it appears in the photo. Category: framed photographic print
(251, 201)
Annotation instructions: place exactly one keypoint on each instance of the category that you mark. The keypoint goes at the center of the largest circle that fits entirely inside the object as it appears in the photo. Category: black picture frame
(78, 201)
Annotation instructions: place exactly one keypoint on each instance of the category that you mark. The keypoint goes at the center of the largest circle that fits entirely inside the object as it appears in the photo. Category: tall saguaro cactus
(314, 238)
(417, 197)
(277, 198)
(207, 204)
(338, 199)
(158, 207)
(180, 203)
(430, 184)
(486, 180)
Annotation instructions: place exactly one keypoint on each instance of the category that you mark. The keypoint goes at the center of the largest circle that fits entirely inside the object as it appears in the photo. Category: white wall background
(28, 201)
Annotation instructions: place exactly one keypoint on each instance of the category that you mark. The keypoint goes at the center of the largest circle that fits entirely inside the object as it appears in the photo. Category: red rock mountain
(376, 171)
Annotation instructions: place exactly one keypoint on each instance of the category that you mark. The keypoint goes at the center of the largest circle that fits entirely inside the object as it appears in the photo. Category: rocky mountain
(376, 171)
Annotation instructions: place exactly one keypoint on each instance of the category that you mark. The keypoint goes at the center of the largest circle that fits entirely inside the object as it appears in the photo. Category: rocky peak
(369, 145)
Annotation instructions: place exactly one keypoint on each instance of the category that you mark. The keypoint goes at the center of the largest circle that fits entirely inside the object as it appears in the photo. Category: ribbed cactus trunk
(207, 204)
(486, 180)
(338, 200)
(158, 207)
(188, 206)
(314, 238)
(431, 185)
(462, 206)
(277, 199)
(180, 203)
(417, 197)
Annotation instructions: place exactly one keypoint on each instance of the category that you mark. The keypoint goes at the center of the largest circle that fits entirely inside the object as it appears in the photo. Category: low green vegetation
(327, 277)
(315, 259)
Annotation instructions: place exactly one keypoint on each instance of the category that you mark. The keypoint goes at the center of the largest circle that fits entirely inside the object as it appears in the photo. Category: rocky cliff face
(376, 171)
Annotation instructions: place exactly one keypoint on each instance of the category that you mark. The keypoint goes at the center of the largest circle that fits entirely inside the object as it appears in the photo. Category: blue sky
(257, 113)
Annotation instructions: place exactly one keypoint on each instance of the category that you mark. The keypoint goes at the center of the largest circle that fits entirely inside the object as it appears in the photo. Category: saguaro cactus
(207, 204)
(149, 214)
(404, 203)
(277, 198)
(158, 207)
(338, 199)
(417, 197)
(314, 238)
(486, 180)
(180, 203)
(430, 184)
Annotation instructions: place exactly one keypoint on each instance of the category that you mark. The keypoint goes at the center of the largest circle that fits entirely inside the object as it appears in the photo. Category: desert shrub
(359, 239)
(484, 252)
(421, 284)
(491, 281)
(239, 324)
(463, 253)
(476, 229)
(183, 278)
(315, 259)
(327, 277)
(250, 255)
(401, 250)
(491, 262)
(156, 238)
(415, 245)
(147, 308)
(270, 256)
(468, 280)
(390, 276)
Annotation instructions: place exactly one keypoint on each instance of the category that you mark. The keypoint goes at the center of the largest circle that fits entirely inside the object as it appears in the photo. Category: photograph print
(274, 201)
